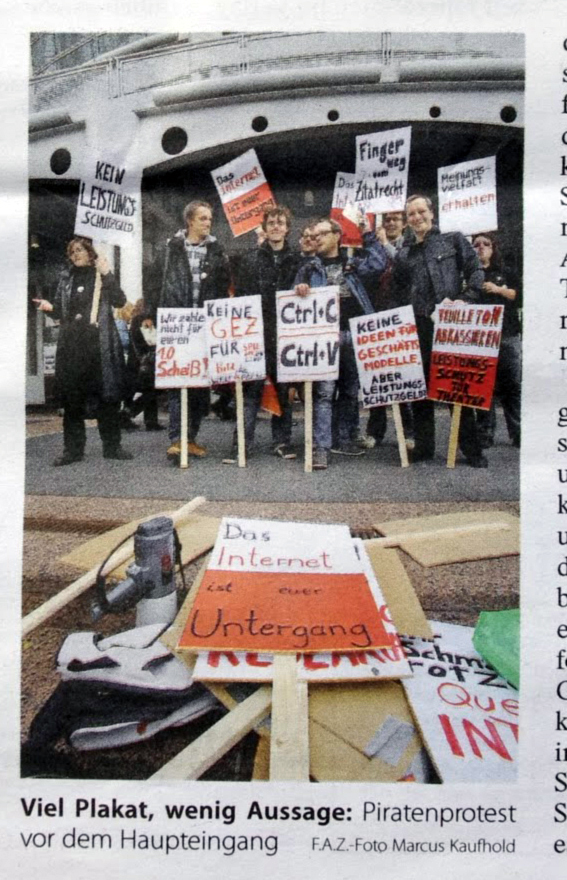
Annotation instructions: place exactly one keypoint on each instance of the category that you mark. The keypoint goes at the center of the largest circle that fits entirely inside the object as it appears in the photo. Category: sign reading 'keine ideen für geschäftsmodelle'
(388, 357)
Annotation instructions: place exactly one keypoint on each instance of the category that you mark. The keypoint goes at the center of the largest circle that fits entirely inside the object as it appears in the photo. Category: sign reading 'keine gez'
(388, 357)
(308, 335)
(281, 586)
(235, 339)
(466, 342)
(181, 351)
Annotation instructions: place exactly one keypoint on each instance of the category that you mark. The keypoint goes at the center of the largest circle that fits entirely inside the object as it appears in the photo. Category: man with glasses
(356, 278)
(433, 268)
(308, 240)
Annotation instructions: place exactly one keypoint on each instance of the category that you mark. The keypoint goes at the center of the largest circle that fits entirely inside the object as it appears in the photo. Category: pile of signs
(363, 687)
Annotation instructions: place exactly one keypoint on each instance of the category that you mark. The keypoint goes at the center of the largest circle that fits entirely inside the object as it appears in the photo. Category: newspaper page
(114, 759)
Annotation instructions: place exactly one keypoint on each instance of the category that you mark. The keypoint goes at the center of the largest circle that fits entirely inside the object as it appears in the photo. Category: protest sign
(388, 357)
(235, 339)
(181, 352)
(243, 191)
(466, 341)
(467, 714)
(343, 198)
(379, 663)
(467, 196)
(308, 335)
(108, 207)
(284, 587)
(382, 162)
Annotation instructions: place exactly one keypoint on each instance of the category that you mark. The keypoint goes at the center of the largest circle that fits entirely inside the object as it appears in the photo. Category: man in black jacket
(432, 268)
(270, 267)
(196, 269)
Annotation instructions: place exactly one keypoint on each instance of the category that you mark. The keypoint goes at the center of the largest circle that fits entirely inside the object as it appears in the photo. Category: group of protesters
(404, 261)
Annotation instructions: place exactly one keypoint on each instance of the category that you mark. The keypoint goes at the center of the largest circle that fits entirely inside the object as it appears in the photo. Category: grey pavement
(376, 476)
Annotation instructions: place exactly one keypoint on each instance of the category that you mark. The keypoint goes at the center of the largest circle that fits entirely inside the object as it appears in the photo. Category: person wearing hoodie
(196, 269)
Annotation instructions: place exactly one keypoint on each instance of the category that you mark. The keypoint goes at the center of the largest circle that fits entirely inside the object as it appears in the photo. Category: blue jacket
(362, 272)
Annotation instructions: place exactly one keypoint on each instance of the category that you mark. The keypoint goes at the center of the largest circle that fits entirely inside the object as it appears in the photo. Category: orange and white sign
(244, 192)
(371, 665)
(284, 587)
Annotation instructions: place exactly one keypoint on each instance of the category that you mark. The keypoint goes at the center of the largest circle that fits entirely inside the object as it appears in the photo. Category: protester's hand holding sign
(506, 292)
(102, 265)
(43, 305)
(302, 289)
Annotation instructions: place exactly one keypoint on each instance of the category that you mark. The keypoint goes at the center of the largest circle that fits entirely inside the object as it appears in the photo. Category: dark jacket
(444, 264)
(177, 284)
(260, 275)
(70, 357)
(504, 278)
(362, 272)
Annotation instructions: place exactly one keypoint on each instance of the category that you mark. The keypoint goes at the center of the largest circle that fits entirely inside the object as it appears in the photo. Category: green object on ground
(497, 639)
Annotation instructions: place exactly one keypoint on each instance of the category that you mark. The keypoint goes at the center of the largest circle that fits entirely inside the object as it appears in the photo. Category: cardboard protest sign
(109, 206)
(181, 351)
(308, 335)
(343, 199)
(467, 196)
(244, 192)
(388, 357)
(284, 587)
(466, 341)
(467, 714)
(379, 663)
(235, 339)
(382, 163)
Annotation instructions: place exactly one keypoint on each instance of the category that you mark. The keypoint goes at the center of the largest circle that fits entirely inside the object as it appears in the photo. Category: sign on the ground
(388, 357)
(308, 335)
(467, 714)
(284, 587)
(466, 342)
(181, 351)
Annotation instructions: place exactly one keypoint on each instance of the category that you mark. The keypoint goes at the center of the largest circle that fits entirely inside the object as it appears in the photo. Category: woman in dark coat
(89, 365)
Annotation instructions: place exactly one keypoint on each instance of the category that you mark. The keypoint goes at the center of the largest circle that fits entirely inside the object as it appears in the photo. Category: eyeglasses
(325, 232)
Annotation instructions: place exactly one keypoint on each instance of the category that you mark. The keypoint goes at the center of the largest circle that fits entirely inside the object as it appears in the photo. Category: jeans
(281, 425)
(335, 402)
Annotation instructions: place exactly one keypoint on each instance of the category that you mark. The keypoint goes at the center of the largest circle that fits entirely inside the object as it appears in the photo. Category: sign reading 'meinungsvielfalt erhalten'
(235, 339)
(308, 335)
(466, 342)
(388, 357)
(181, 350)
(284, 587)
(467, 196)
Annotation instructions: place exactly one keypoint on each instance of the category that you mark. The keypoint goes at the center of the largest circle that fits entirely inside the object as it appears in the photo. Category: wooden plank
(402, 601)
(289, 752)
(308, 423)
(184, 459)
(240, 424)
(261, 770)
(207, 749)
(56, 603)
(454, 435)
(402, 448)
(453, 537)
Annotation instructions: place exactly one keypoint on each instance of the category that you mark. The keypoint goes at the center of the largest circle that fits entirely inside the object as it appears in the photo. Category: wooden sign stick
(184, 460)
(400, 435)
(289, 741)
(208, 748)
(58, 602)
(454, 435)
(308, 421)
(240, 424)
